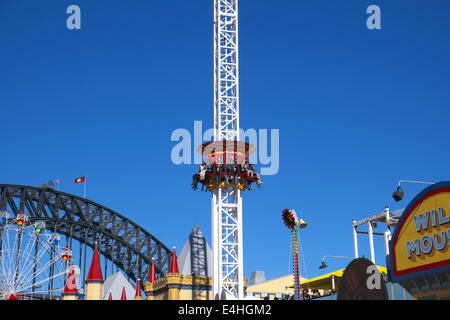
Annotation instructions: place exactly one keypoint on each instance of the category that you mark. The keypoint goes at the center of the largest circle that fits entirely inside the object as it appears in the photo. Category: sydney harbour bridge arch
(122, 242)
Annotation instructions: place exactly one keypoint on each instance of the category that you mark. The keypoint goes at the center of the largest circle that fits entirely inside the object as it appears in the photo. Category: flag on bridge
(53, 183)
(80, 179)
(49, 184)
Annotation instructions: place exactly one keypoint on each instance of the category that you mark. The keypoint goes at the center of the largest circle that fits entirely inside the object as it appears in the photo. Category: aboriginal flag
(80, 180)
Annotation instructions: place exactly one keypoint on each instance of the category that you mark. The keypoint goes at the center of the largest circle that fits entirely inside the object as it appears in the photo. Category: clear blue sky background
(357, 111)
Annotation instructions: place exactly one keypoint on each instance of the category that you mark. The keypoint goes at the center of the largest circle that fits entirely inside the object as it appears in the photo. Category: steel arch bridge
(127, 245)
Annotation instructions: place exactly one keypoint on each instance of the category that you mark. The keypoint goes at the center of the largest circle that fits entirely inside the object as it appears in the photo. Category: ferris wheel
(32, 263)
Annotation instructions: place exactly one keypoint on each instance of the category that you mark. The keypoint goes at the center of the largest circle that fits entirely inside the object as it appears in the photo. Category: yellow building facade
(279, 288)
(180, 287)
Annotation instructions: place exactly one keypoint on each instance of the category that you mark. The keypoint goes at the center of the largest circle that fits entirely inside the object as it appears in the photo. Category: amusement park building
(188, 277)
(188, 282)
(280, 288)
(417, 251)
(115, 285)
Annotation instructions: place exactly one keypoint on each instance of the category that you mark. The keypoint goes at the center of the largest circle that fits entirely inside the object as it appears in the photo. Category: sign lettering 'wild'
(421, 241)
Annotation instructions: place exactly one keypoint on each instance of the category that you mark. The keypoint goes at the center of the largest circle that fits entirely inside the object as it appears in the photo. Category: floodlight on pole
(324, 264)
(399, 193)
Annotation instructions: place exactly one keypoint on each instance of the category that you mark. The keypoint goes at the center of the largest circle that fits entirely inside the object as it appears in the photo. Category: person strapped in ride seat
(195, 180)
(202, 171)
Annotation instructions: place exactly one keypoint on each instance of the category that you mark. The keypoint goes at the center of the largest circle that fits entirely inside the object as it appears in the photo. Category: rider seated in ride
(195, 180)
(202, 171)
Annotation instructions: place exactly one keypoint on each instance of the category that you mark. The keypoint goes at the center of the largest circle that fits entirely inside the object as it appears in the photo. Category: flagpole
(84, 189)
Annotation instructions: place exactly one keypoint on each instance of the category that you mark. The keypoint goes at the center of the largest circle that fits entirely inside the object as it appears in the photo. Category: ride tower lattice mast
(226, 209)
(292, 221)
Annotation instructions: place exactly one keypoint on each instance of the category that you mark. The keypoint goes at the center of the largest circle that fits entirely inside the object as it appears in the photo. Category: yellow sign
(421, 241)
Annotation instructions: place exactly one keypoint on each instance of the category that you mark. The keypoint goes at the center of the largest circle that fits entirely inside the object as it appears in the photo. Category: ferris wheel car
(66, 254)
(54, 239)
(39, 227)
(4, 216)
(22, 218)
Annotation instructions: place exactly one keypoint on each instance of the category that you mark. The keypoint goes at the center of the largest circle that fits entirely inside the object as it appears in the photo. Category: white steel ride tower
(226, 207)
(227, 171)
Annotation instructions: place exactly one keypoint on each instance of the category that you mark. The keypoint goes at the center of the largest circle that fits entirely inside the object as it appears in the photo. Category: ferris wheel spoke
(23, 263)
(46, 291)
(8, 261)
(37, 258)
(6, 244)
(45, 267)
(17, 254)
(7, 275)
(5, 254)
(29, 260)
(4, 269)
(26, 259)
(29, 246)
(45, 280)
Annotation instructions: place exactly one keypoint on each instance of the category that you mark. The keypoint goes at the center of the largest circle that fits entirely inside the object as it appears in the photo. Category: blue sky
(357, 111)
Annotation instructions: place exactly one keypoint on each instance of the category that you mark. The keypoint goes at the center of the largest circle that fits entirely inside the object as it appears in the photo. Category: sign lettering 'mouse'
(421, 240)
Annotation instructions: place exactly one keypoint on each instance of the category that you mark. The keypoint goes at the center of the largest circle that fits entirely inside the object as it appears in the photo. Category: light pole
(399, 193)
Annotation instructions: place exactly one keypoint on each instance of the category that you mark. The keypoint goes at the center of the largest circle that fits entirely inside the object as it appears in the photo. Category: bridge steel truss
(121, 241)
